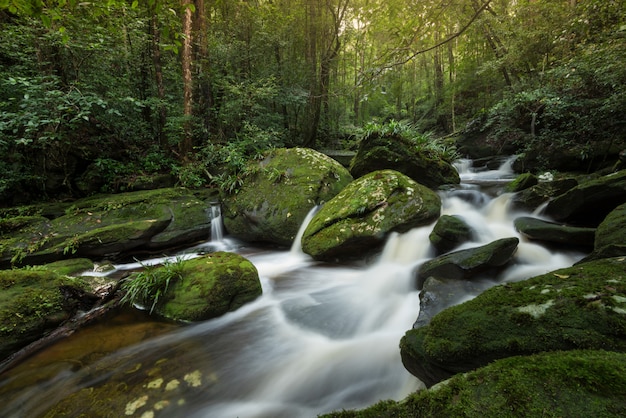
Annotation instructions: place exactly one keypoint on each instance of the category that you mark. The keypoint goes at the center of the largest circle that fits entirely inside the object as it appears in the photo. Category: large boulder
(274, 200)
(579, 383)
(197, 289)
(581, 307)
(394, 152)
(360, 217)
(541, 230)
(465, 264)
(104, 226)
(34, 302)
(588, 203)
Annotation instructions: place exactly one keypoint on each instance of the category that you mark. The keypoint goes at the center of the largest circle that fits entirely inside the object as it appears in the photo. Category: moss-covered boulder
(380, 152)
(465, 264)
(581, 307)
(522, 182)
(103, 226)
(610, 236)
(210, 286)
(274, 200)
(541, 230)
(35, 302)
(579, 383)
(358, 219)
(531, 198)
(449, 232)
(588, 203)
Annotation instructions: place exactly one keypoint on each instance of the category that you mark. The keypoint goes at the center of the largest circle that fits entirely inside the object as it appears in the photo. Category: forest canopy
(94, 95)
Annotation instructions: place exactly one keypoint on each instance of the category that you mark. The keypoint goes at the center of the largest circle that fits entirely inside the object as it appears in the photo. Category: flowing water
(321, 337)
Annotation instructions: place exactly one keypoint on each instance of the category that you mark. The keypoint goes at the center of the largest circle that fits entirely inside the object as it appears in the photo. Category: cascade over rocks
(210, 286)
(397, 153)
(538, 229)
(104, 226)
(531, 198)
(588, 203)
(275, 199)
(581, 307)
(358, 219)
(465, 264)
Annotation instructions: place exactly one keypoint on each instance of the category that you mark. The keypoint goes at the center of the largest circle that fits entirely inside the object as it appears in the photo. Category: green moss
(557, 384)
(573, 308)
(70, 267)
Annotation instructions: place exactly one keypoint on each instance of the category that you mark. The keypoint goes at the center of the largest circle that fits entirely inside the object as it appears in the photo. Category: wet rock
(522, 182)
(568, 384)
(531, 198)
(465, 264)
(273, 202)
(397, 153)
(588, 203)
(35, 302)
(541, 230)
(208, 287)
(581, 307)
(450, 232)
(358, 219)
(104, 226)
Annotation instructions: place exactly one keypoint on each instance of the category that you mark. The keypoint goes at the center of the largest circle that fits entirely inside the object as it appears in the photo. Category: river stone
(541, 230)
(531, 198)
(588, 203)
(449, 232)
(35, 302)
(274, 201)
(522, 182)
(610, 236)
(358, 219)
(578, 383)
(209, 287)
(465, 264)
(581, 307)
(397, 153)
(104, 226)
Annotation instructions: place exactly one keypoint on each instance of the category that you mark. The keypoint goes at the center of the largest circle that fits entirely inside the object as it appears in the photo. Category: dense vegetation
(94, 96)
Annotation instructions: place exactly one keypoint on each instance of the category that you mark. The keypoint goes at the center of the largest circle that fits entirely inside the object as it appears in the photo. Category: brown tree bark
(186, 145)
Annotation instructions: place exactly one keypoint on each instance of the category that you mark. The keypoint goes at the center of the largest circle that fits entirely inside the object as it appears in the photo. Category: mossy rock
(394, 152)
(465, 264)
(533, 197)
(71, 266)
(449, 232)
(209, 287)
(33, 303)
(522, 182)
(588, 203)
(360, 217)
(101, 226)
(581, 307)
(541, 230)
(578, 383)
(274, 201)
(610, 236)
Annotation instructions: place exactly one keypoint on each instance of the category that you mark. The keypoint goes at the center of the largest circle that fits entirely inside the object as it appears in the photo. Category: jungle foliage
(96, 95)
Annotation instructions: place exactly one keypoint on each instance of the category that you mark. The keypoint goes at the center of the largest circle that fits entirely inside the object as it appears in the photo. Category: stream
(322, 337)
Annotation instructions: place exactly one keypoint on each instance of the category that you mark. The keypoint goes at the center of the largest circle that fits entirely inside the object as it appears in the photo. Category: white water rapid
(321, 337)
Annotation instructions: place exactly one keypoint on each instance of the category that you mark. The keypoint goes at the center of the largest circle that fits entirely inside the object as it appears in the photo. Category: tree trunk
(186, 145)
(158, 78)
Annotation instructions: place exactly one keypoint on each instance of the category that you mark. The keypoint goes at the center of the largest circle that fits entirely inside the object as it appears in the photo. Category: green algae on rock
(202, 288)
(578, 383)
(274, 200)
(34, 302)
(359, 218)
(581, 307)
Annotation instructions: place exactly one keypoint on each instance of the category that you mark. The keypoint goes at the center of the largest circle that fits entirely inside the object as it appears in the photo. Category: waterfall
(217, 228)
(296, 246)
